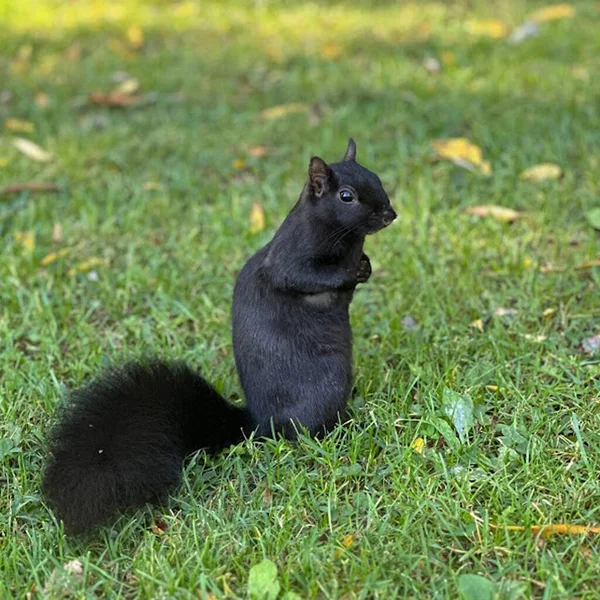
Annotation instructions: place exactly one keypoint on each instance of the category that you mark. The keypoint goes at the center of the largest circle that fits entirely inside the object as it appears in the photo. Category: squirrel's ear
(350, 151)
(320, 176)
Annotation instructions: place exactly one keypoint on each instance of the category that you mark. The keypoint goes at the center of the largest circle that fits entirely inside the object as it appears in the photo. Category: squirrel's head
(349, 195)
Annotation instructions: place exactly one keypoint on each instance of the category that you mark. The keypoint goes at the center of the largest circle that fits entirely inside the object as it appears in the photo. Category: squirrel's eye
(346, 196)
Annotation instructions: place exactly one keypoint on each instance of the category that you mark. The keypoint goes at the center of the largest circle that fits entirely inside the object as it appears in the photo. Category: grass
(161, 192)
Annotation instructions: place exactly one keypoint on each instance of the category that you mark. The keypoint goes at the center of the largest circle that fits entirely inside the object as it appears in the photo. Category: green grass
(419, 521)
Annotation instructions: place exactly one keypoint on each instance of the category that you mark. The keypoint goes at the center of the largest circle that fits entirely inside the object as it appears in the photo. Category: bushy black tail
(121, 439)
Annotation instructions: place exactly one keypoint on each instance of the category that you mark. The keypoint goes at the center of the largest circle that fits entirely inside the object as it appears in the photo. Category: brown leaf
(42, 99)
(588, 264)
(500, 213)
(31, 150)
(29, 186)
(112, 99)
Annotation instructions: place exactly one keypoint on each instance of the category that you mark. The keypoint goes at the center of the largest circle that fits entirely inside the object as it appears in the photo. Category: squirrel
(120, 440)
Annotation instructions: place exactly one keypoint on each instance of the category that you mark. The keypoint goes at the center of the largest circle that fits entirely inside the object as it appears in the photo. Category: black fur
(121, 440)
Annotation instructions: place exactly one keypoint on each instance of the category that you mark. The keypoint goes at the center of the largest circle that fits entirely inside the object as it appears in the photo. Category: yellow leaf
(477, 324)
(31, 150)
(491, 388)
(500, 213)
(548, 530)
(552, 13)
(492, 28)
(257, 218)
(548, 312)
(463, 153)
(542, 172)
(239, 163)
(27, 239)
(418, 445)
(54, 256)
(330, 50)
(128, 87)
(3, 161)
(135, 37)
(448, 58)
(346, 543)
(19, 125)
(281, 110)
(86, 265)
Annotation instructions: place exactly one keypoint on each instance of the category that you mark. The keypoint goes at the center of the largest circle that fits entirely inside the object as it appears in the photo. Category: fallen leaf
(86, 265)
(552, 13)
(548, 312)
(591, 345)
(542, 172)
(523, 32)
(463, 153)
(500, 213)
(239, 163)
(42, 99)
(492, 28)
(281, 110)
(257, 218)
(57, 233)
(535, 338)
(345, 543)
(127, 87)
(19, 125)
(29, 186)
(112, 99)
(491, 388)
(588, 264)
(267, 497)
(477, 324)
(258, 151)
(135, 37)
(505, 312)
(551, 529)
(418, 445)
(330, 50)
(593, 217)
(31, 150)
(54, 256)
(27, 239)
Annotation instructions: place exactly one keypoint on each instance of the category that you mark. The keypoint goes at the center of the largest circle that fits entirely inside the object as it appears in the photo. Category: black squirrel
(120, 441)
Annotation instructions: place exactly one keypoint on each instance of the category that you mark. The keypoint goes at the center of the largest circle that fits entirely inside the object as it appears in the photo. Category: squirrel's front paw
(364, 269)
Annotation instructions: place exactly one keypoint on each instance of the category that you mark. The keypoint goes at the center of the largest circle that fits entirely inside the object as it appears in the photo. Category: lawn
(477, 402)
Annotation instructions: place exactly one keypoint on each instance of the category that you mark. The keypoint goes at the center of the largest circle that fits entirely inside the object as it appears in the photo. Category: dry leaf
(591, 345)
(31, 150)
(54, 256)
(257, 218)
(552, 529)
(57, 233)
(19, 125)
(128, 87)
(500, 213)
(477, 324)
(86, 265)
(346, 543)
(330, 50)
(113, 99)
(552, 13)
(135, 37)
(491, 388)
(463, 153)
(258, 151)
(418, 445)
(27, 239)
(542, 172)
(239, 163)
(492, 28)
(42, 99)
(281, 110)
(588, 264)
(535, 338)
(505, 312)
(29, 186)
(548, 312)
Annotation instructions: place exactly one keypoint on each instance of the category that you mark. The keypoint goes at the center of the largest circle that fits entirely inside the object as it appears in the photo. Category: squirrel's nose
(389, 216)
